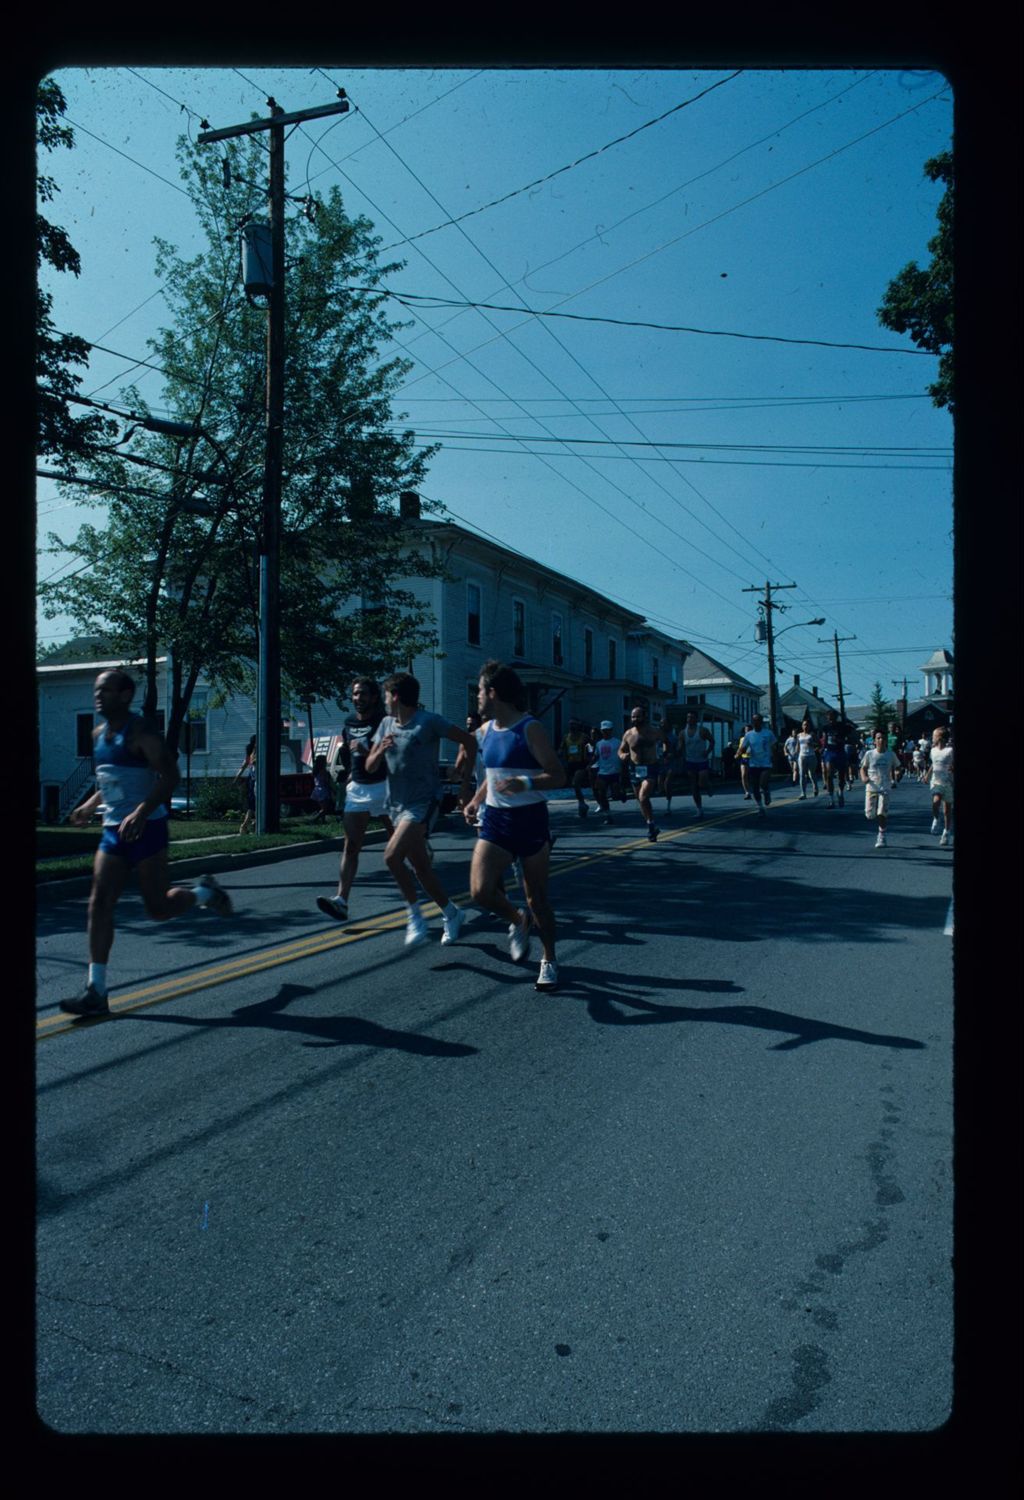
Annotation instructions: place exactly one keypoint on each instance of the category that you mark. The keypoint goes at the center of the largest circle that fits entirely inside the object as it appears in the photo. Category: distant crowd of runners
(505, 766)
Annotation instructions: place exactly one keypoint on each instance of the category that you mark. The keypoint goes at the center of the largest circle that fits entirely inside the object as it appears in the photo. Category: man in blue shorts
(835, 756)
(135, 776)
(520, 764)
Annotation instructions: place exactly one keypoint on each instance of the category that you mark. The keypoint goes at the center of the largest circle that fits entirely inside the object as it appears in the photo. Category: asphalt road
(305, 1181)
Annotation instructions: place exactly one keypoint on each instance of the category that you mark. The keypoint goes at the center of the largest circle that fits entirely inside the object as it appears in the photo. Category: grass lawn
(62, 852)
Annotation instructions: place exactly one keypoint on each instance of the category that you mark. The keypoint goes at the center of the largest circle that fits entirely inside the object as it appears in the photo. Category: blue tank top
(124, 778)
(506, 753)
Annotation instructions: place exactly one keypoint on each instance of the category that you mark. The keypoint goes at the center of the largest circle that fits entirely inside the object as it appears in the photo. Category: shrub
(218, 797)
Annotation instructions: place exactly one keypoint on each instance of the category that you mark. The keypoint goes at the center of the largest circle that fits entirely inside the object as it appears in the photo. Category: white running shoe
(519, 940)
(880, 841)
(208, 892)
(936, 825)
(944, 840)
(453, 926)
(547, 979)
(415, 930)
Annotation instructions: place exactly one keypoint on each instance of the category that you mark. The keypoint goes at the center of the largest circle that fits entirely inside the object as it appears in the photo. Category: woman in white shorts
(807, 758)
(942, 784)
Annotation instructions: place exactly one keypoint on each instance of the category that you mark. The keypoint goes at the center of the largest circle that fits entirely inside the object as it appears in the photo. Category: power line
(132, 159)
(539, 182)
(428, 300)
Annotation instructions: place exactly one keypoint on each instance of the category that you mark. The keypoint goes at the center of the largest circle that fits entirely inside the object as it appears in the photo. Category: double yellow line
(324, 942)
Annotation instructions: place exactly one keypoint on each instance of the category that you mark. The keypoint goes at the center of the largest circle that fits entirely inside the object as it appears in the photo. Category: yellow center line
(323, 942)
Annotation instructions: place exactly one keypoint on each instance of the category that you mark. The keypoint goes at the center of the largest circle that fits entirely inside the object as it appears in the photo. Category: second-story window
(473, 613)
(675, 683)
(518, 628)
(612, 663)
(654, 673)
(588, 652)
(556, 640)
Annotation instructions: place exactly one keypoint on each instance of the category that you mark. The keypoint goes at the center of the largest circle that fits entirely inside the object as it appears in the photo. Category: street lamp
(772, 691)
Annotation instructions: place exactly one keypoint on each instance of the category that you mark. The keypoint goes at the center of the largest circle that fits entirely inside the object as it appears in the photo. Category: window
(83, 735)
(654, 673)
(675, 683)
(556, 639)
(518, 629)
(588, 652)
(473, 613)
(195, 724)
(471, 698)
(612, 665)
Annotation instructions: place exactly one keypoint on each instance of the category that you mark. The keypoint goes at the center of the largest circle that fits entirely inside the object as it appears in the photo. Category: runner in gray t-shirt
(412, 760)
(408, 739)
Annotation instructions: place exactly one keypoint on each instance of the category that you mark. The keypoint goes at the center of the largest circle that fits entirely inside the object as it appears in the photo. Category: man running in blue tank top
(520, 765)
(135, 776)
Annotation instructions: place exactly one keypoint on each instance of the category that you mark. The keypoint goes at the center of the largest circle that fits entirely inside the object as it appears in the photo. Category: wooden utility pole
(836, 638)
(768, 604)
(268, 699)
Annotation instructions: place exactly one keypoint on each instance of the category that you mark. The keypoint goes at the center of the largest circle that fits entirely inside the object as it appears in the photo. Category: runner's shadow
(601, 991)
(332, 1031)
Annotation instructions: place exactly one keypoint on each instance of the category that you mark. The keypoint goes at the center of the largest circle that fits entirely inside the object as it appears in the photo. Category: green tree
(176, 564)
(881, 713)
(920, 302)
(60, 435)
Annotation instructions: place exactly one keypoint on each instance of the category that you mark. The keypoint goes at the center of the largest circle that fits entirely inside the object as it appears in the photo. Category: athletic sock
(451, 910)
(98, 978)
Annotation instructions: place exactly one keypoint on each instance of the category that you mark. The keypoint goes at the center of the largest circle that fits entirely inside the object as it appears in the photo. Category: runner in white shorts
(876, 771)
(365, 793)
(407, 742)
(942, 784)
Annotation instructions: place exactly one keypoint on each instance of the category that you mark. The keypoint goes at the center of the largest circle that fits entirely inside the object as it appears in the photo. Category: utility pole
(903, 716)
(768, 604)
(836, 637)
(268, 697)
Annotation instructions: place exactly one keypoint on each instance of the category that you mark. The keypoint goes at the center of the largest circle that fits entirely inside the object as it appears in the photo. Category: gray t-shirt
(412, 760)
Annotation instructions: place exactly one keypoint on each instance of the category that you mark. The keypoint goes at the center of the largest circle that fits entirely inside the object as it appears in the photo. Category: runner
(365, 793)
(607, 768)
(572, 752)
(407, 740)
(639, 751)
(792, 749)
(520, 765)
(942, 784)
(743, 757)
(808, 758)
(759, 742)
(878, 771)
(696, 744)
(135, 776)
(834, 757)
(923, 759)
(666, 766)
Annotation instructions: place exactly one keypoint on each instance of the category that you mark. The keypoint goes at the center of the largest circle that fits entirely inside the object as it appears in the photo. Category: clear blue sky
(777, 206)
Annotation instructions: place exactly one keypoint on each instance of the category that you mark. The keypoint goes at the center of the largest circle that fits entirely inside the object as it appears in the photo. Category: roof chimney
(814, 691)
(409, 505)
(796, 679)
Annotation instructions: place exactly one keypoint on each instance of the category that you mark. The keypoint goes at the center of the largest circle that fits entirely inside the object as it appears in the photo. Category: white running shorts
(367, 797)
(876, 800)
